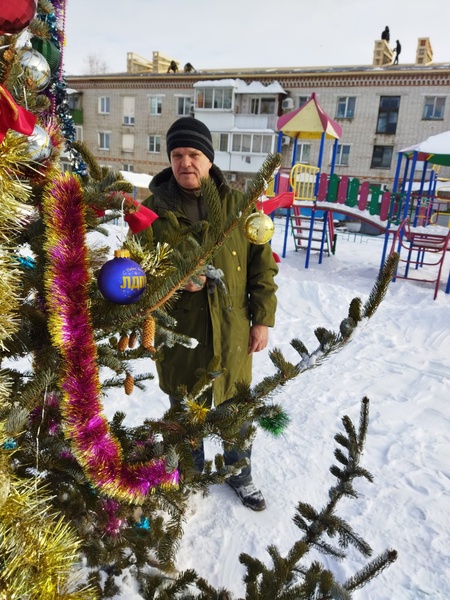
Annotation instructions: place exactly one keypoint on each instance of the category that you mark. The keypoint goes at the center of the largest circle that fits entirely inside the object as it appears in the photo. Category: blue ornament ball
(121, 280)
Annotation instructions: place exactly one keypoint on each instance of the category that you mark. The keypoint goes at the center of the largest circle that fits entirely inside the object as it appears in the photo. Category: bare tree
(95, 64)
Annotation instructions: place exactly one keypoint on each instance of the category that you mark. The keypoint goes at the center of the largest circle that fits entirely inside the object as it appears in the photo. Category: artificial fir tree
(89, 488)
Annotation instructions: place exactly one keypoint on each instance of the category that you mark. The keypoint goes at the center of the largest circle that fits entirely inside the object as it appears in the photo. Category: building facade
(382, 109)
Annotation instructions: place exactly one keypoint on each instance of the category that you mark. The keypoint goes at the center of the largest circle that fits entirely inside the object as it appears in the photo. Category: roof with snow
(240, 87)
(435, 149)
(140, 180)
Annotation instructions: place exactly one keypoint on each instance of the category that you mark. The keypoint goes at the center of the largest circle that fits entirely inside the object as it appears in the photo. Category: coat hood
(166, 191)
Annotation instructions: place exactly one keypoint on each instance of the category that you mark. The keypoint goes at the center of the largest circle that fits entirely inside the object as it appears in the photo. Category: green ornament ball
(49, 51)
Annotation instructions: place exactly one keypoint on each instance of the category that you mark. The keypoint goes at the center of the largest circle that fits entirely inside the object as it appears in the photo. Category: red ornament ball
(16, 15)
(121, 280)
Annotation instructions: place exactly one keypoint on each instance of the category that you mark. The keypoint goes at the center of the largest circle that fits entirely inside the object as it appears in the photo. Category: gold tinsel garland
(14, 195)
(38, 551)
(37, 548)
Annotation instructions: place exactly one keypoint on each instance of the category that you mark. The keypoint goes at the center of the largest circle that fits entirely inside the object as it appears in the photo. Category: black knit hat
(188, 132)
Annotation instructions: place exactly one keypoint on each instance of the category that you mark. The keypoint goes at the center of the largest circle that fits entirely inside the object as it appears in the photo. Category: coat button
(239, 268)
(234, 253)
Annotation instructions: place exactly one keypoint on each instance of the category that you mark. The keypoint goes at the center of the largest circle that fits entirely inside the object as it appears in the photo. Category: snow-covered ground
(400, 360)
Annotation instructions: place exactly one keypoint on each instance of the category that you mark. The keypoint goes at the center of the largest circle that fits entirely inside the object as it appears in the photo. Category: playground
(413, 217)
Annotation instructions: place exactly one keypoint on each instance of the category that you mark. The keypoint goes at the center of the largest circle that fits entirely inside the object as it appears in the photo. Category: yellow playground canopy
(309, 121)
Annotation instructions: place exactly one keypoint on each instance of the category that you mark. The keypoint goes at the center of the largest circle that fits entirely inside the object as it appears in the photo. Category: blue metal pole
(432, 191)
(395, 186)
(397, 171)
(333, 156)
(286, 231)
(319, 162)
(325, 216)
(394, 193)
(280, 141)
(405, 174)
(277, 176)
(294, 152)
(410, 184)
(419, 199)
(311, 231)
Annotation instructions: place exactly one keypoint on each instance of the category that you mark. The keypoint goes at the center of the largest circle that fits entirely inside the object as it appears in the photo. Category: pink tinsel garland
(67, 281)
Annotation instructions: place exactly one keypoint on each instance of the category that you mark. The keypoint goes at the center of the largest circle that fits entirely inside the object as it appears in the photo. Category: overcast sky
(250, 33)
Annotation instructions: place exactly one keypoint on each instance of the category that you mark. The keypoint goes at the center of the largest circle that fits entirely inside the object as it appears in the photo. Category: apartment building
(382, 108)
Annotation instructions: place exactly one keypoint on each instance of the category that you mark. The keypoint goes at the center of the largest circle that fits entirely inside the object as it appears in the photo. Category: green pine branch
(316, 582)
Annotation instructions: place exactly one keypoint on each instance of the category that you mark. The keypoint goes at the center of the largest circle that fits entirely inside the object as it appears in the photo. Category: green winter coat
(220, 321)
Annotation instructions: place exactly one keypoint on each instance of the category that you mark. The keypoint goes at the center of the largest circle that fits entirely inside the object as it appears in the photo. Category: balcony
(77, 115)
(258, 122)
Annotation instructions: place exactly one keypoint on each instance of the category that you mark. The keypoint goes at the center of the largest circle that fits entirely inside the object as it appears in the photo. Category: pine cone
(148, 333)
(128, 383)
(133, 339)
(123, 343)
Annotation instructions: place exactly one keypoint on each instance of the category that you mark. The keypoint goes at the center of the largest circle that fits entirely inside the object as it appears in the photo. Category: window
(220, 141)
(156, 105)
(262, 106)
(127, 142)
(154, 143)
(388, 114)
(184, 106)
(261, 144)
(382, 157)
(247, 184)
(302, 100)
(128, 110)
(73, 101)
(252, 143)
(342, 155)
(346, 107)
(434, 108)
(104, 105)
(302, 154)
(103, 140)
(217, 98)
(128, 167)
(79, 133)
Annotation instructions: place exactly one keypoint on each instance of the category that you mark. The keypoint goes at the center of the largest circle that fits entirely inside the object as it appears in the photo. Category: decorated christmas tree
(74, 487)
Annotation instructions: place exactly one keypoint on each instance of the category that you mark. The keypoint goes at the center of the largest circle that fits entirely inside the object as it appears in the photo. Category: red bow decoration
(13, 116)
(138, 219)
(142, 218)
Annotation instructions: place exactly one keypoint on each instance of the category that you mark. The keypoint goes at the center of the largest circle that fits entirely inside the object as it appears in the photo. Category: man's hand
(192, 286)
(259, 336)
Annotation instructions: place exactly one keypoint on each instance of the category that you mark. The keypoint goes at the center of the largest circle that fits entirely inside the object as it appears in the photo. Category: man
(229, 322)
(398, 49)
(385, 34)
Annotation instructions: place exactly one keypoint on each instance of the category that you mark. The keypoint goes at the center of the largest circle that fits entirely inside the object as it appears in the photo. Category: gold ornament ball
(259, 228)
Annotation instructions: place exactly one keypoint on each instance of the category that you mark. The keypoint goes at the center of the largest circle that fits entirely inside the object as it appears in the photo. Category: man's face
(189, 166)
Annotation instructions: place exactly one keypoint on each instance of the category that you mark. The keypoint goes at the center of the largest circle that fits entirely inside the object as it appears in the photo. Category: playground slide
(283, 200)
